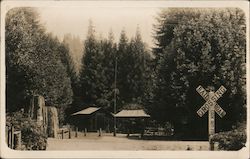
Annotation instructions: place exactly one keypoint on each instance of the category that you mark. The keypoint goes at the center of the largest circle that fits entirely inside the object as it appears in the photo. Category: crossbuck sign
(211, 106)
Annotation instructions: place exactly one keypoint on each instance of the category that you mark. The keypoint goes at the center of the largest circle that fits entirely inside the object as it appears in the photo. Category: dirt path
(120, 142)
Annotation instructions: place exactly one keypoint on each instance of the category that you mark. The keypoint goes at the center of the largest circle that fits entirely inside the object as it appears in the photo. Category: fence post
(76, 131)
(69, 133)
(62, 133)
(100, 131)
(6, 134)
(211, 144)
(20, 139)
(9, 136)
(12, 137)
(17, 140)
(85, 132)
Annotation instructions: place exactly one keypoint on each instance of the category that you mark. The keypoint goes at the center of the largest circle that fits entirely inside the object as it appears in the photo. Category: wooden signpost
(211, 106)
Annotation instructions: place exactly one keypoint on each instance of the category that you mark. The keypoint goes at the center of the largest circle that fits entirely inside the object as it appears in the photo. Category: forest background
(192, 47)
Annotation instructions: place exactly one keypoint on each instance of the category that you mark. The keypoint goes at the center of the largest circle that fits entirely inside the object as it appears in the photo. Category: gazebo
(132, 120)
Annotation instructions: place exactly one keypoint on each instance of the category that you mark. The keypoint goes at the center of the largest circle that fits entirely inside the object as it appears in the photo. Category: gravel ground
(107, 142)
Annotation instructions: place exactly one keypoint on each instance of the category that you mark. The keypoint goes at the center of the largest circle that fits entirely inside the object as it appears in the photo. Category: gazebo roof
(139, 113)
(87, 111)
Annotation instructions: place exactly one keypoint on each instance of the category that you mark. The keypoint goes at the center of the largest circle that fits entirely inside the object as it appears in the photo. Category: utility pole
(115, 97)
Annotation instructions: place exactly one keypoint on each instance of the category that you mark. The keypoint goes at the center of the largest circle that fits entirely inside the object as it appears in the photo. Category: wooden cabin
(93, 118)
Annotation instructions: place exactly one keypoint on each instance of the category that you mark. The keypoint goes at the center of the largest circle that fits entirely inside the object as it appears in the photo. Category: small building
(131, 121)
(92, 118)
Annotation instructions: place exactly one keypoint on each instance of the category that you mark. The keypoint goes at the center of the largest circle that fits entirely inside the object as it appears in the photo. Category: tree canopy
(34, 63)
(200, 47)
(98, 69)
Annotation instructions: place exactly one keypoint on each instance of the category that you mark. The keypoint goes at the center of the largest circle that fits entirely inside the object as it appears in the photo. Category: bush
(33, 138)
(231, 140)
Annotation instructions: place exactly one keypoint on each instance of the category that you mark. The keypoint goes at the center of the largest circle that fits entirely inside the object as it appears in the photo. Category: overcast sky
(74, 20)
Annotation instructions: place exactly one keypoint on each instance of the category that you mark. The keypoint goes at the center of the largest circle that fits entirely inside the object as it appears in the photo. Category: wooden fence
(13, 138)
(62, 132)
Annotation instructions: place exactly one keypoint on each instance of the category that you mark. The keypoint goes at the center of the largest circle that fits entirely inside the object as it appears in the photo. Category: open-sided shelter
(131, 121)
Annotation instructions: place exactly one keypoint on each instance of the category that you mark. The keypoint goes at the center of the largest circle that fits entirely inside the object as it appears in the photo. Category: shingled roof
(139, 113)
(87, 111)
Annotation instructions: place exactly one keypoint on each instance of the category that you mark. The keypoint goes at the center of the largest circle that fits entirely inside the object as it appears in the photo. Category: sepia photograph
(124, 76)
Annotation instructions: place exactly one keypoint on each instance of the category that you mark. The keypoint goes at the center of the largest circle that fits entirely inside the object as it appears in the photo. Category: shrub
(33, 138)
(231, 140)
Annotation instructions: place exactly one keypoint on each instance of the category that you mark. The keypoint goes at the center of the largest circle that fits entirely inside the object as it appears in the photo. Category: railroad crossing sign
(211, 101)
(211, 106)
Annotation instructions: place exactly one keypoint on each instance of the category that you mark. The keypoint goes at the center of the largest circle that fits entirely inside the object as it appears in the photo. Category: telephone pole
(115, 97)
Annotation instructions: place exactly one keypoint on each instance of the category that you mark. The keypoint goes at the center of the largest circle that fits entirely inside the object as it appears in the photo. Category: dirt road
(120, 142)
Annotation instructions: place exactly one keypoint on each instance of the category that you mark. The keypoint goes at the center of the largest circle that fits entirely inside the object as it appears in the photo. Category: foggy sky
(75, 20)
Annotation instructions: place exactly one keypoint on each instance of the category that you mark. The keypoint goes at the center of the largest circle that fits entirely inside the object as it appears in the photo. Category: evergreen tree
(123, 69)
(67, 60)
(109, 50)
(139, 57)
(92, 72)
(133, 70)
